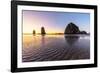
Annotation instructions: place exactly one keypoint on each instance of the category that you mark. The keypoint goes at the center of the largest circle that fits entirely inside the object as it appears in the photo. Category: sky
(53, 22)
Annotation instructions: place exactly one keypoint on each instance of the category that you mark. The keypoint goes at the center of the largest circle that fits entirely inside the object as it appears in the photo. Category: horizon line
(48, 33)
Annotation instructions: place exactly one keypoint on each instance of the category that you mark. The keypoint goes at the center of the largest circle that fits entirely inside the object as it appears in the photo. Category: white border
(53, 63)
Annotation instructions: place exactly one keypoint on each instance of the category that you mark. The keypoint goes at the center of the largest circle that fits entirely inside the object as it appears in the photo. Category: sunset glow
(53, 22)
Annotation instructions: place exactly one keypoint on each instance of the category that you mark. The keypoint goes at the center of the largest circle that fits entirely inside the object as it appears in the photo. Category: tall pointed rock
(43, 31)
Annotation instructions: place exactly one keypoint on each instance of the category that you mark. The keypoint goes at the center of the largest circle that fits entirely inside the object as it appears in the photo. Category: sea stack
(72, 29)
(43, 31)
(83, 32)
(34, 32)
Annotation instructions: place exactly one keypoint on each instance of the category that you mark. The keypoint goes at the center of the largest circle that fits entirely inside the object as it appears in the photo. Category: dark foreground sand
(54, 48)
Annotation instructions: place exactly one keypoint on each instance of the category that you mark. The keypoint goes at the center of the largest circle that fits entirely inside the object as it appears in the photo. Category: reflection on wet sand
(55, 47)
(42, 40)
(71, 39)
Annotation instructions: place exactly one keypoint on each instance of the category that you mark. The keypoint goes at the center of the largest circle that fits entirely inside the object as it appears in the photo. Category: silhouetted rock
(71, 29)
(43, 31)
(83, 32)
(34, 32)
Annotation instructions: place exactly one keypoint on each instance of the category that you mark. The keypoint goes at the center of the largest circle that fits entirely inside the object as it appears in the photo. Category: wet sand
(55, 47)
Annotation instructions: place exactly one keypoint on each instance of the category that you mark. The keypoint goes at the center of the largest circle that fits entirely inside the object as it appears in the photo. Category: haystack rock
(72, 29)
